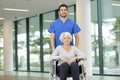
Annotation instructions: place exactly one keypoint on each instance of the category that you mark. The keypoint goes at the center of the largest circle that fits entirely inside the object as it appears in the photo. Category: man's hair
(62, 5)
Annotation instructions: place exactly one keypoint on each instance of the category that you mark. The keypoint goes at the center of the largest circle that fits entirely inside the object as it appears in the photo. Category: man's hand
(53, 49)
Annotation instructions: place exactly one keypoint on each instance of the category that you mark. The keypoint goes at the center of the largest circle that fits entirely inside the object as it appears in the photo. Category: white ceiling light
(10, 9)
(116, 4)
(1, 18)
(48, 21)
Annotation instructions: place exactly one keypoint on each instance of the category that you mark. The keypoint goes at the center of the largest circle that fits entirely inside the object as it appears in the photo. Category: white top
(61, 52)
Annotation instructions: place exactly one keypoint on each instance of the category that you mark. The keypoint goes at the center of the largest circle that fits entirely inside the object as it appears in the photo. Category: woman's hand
(63, 59)
(73, 59)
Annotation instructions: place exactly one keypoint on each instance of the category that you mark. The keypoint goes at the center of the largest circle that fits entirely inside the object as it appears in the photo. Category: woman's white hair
(67, 34)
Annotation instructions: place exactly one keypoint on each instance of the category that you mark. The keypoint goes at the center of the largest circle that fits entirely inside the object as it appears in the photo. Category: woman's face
(66, 40)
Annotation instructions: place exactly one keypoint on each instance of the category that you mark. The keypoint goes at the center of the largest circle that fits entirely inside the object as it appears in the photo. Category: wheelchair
(54, 74)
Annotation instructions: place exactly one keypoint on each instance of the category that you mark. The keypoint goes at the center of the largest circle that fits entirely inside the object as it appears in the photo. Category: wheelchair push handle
(80, 59)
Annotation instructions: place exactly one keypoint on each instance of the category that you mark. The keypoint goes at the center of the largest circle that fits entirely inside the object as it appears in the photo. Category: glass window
(111, 36)
(71, 12)
(1, 47)
(14, 53)
(95, 47)
(34, 43)
(22, 50)
(47, 19)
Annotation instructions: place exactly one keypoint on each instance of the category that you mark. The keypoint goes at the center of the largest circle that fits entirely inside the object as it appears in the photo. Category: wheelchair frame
(53, 74)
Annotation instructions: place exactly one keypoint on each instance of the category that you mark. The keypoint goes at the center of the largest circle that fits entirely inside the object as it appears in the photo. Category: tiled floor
(23, 76)
(44, 76)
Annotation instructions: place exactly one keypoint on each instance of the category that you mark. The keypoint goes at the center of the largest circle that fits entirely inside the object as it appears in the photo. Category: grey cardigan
(61, 52)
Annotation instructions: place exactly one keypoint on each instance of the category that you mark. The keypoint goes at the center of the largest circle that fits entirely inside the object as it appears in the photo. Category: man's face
(63, 12)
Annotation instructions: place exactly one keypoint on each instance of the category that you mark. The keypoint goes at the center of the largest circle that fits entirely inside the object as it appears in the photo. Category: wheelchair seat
(55, 72)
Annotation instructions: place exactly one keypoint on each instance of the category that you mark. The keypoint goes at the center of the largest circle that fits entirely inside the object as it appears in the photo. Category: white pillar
(83, 17)
(8, 47)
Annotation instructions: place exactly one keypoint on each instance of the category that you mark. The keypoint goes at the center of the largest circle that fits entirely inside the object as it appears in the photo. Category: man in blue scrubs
(63, 24)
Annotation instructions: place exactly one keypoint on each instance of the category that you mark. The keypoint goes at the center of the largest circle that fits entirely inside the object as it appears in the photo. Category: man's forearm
(52, 42)
(77, 39)
(76, 42)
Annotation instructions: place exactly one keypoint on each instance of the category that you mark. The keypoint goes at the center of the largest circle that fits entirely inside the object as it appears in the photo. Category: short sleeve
(76, 28)
(51, 28)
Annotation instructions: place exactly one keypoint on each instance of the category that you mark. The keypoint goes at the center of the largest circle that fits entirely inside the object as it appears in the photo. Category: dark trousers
(65, 68)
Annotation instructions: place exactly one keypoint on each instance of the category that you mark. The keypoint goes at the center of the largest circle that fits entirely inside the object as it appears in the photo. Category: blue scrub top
(57, 27)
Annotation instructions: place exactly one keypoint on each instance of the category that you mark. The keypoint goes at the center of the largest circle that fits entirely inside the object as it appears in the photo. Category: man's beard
(63, 16)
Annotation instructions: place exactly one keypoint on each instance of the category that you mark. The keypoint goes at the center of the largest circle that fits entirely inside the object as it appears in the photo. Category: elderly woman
(67, 55)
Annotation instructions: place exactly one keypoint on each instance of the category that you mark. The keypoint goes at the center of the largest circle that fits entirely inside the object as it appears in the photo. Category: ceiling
(34, 6)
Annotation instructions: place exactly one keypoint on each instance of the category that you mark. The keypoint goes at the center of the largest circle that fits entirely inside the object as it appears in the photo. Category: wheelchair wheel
(51, 77)
(83, 76)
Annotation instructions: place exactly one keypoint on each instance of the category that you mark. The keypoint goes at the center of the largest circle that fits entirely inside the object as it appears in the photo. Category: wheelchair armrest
(80, 59)
(54, 61)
